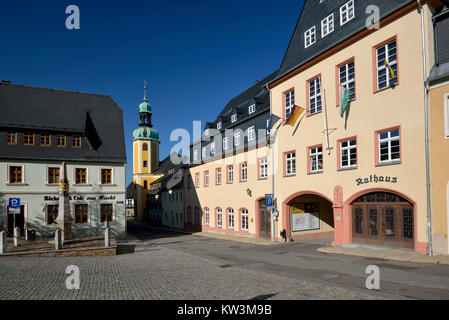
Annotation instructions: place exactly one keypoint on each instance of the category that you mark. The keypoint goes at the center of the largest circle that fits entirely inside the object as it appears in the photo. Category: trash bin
(31, 234)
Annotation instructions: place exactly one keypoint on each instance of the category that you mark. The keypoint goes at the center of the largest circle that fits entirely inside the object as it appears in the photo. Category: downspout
(272, 168)
(426, 111)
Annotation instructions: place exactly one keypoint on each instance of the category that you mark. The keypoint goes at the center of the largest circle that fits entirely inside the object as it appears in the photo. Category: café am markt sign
(376, 179)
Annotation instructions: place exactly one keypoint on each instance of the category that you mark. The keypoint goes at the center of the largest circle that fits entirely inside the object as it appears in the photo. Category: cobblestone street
(153, 273)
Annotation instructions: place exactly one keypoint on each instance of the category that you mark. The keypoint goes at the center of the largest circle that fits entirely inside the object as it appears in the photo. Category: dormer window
(310, 37)
(327, 25)
(203, 153)
(212, 149)
(219, 125)
(347, 12)
(206, 132)
(252, 109)
(234, 118)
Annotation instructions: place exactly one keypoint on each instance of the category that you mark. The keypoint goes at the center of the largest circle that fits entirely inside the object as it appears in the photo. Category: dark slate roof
(130, 190)
(312, 14)
(438, 73)
(168, 181)
(97, 118)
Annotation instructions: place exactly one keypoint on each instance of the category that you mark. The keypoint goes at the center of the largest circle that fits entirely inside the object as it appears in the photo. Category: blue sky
(196, 55)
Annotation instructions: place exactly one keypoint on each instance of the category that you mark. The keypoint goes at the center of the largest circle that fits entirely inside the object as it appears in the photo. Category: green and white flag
(344, 100)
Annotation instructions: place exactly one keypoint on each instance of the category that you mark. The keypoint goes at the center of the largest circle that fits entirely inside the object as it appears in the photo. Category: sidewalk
(387, 254)
(236, 237)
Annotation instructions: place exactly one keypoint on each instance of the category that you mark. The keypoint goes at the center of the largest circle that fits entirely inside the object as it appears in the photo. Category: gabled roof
(95, 117)
(314, 11)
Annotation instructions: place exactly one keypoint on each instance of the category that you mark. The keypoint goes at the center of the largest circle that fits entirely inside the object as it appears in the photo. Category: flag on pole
(296, 113)
(344, 100)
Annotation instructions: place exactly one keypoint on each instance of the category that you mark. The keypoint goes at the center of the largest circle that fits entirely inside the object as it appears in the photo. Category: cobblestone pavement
(152, 272)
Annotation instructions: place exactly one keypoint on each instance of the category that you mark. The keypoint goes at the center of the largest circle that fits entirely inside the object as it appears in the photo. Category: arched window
(145, 147)
(244, 219)
(145, 184)
(219, 218)
(231, 218)
(206, 216)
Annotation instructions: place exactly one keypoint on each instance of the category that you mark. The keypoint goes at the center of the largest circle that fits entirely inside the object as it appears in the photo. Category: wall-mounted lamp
(248, 191)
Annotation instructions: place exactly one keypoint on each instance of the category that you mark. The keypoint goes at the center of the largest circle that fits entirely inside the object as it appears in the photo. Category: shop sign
(376, 179)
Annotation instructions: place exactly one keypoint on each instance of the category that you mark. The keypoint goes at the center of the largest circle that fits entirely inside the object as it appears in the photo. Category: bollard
(2, 242)
(107, 237)
(16, 236)
(58, 240)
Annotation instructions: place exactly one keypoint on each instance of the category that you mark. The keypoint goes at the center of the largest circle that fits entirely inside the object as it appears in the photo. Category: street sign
(269, 202)
(269, 196)
(14, 206)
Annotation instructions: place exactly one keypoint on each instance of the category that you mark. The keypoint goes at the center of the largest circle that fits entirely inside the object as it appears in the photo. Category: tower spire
(145, 91)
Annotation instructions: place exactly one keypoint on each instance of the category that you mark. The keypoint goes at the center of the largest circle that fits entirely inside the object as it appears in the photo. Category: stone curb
(386, 255)
(97, 251)
(235, 238)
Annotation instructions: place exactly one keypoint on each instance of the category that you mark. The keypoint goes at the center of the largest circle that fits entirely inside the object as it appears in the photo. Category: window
(145, 163)
(230, 218)
(234, 118)
(206, 132)
(386, 54)
(197, 216)
(237, 138)
(106, 176)
(189, 215)
(206, 216)
(309, 37)
(203, 153)
(60, 141)
(252, 109)
(189, 182)
(290, 164)
(389, 146)
(244, 172)
(316, 159)
(11, 137)
(145, 184)
(206, 178)
(315, 103)
(289, 103)
(81, 176)
(251, 133)
(106, 213)
(263, 168)
(195, 155)
(197, 180)
(327, 25)
(244, 219)
(230, 174)
(145, 147)
(348, 154)
(346, 76)
(219, 125)
(212, 149)
(52, 214)
(15, 174)
(219, 218)
(53, 175)
(76, 142)
(45, 140)
(28, 139)
(347, 12)
(225, 143)
(81, 213)
(218, 176)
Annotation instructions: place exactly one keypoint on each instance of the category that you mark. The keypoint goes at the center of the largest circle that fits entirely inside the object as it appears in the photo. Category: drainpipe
(426, 111)
(272, 172)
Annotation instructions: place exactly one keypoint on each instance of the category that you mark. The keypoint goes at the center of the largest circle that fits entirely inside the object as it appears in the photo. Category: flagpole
(326, 130)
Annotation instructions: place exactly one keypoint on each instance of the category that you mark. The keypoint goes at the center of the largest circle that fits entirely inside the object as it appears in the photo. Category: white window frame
(230, 173)
(314, 155)
(206, 216)
(347, 82)
(263, 168)
(8, 181)
(203, 152)
(87, 176)
(290, 164)
(393, 64)
(237, 138)
(446, 116)
(252, 109)
(218, 178)
(349, 149)
(346, 8)
(308, 37)
(197, 180)
(244, 172)
(315, 96)
(206, 178)
(88, 223)
(219, 125)
(212, 149)
(46, 174)
(251, 133)
(289, 103)
(328, 25)
(234, 118)
(389, 140)
(244, 220)
(225, 143)
(231, 219)
(219, 215)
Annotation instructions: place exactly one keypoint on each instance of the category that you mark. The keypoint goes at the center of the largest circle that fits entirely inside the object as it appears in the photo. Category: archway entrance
(384, 219)
(265, 220)
(310, 214)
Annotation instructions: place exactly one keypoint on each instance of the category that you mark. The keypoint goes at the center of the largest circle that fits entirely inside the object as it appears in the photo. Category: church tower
(145, 157)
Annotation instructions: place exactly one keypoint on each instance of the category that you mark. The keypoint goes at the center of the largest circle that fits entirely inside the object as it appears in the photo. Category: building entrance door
(19, 221)
(265, 220)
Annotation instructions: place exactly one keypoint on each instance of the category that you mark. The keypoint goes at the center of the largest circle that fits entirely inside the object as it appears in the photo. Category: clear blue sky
(197, 55)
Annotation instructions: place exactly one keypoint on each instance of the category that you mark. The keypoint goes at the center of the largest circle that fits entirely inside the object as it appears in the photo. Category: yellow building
(145, 159)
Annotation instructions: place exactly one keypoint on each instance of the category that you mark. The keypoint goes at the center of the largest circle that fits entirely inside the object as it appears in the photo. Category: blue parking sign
(14, 205)
(269, 202)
